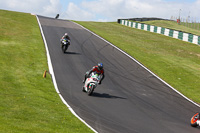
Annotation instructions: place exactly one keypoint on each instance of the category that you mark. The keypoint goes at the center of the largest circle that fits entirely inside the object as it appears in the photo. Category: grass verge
(29, 102)
(175, 61)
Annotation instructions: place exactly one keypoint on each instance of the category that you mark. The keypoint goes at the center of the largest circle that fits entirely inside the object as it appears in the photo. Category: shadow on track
(104, 95)
(72, 53)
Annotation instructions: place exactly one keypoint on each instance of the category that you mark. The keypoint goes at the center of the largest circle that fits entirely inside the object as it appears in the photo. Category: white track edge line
(140, 65)
(54, 80)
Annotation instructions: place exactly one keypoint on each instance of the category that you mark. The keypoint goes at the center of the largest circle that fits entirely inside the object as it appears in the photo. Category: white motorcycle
(91, 83)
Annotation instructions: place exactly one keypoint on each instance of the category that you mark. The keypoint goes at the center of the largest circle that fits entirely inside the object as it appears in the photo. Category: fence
(188, 37)
(188, 22)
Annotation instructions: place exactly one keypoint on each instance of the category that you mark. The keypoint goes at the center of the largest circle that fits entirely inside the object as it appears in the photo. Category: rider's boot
(85, 78)
(198, 122)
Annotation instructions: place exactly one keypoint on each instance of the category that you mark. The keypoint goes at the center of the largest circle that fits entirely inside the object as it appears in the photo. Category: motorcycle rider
(198, 117)
(65, 36)
(98, 69)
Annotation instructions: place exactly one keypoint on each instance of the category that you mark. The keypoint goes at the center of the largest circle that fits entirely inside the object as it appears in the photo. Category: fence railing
(188, 37)
(188, 22)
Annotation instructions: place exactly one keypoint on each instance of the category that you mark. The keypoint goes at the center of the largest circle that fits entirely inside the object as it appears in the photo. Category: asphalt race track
(129, 100)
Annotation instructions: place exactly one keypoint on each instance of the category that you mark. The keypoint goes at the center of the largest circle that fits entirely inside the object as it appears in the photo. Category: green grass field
(175, 61)
(29, 102)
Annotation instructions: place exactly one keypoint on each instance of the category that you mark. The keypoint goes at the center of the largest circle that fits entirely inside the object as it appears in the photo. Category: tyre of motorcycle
(193, 121)
(64, 48)
(90, 90)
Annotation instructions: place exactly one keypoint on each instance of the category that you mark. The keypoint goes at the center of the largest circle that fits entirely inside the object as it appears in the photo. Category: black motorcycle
(65, 44)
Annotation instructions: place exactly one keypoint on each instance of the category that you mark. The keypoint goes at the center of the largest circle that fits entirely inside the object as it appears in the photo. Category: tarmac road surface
(129, 100)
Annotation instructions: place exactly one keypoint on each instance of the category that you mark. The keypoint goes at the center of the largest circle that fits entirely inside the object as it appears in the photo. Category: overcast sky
(106, 10)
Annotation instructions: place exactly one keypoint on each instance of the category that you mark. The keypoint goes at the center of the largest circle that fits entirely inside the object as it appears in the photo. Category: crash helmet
(100, 66)
(66, 34)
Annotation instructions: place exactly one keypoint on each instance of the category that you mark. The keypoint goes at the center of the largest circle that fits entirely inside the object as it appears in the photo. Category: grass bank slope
(28, 102)
(175, 61)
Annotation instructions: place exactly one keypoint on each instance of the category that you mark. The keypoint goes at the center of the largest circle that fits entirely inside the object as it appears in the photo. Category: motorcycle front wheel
(90, 90)
(64, 48)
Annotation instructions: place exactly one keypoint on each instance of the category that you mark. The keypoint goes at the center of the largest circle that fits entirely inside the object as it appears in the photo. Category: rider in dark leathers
(65, 36)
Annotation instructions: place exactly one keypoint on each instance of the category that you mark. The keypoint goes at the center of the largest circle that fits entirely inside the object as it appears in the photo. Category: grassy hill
(28, 102)
(175, 61)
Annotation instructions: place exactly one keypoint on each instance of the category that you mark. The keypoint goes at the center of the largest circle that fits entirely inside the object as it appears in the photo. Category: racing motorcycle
(91, 83)
(195, 120)
(65, 44)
